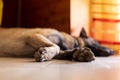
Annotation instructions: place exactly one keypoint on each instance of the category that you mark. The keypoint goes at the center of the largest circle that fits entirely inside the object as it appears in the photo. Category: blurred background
(100, 18)
(105, 22)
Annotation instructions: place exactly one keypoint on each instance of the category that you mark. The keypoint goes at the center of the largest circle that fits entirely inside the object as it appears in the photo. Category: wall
(80, 16)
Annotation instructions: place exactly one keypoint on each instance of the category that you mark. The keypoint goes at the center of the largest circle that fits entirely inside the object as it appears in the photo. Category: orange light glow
(79, 16)
(106, 22)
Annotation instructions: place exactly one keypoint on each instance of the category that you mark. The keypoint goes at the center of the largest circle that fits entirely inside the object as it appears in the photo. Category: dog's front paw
(83, 55)
(41, 55)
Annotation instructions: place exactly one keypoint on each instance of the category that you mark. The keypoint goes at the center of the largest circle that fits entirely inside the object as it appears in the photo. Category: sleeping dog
(45, 44)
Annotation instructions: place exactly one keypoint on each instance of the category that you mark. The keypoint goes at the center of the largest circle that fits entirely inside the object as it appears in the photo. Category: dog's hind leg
(45, 49)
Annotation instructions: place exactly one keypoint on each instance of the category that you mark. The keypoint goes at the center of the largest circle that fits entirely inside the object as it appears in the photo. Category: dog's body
(44, 44)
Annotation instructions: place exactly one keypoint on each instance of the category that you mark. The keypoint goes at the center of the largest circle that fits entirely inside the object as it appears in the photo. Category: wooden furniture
(37, 13)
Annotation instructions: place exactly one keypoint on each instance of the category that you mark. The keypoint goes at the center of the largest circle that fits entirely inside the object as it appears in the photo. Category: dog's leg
(45, 49)
(65, 55)
(83, 54)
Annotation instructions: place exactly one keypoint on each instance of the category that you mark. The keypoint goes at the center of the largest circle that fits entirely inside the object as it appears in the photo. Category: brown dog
(45, 44)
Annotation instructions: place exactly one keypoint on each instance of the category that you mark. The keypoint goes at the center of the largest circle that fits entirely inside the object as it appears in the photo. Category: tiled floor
(103, 68)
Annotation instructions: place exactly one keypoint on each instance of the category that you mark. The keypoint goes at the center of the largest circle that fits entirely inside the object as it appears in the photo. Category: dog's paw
(83, 55)
(42, 55)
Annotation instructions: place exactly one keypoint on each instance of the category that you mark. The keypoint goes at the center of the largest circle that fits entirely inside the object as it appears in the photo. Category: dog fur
(45, 44)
